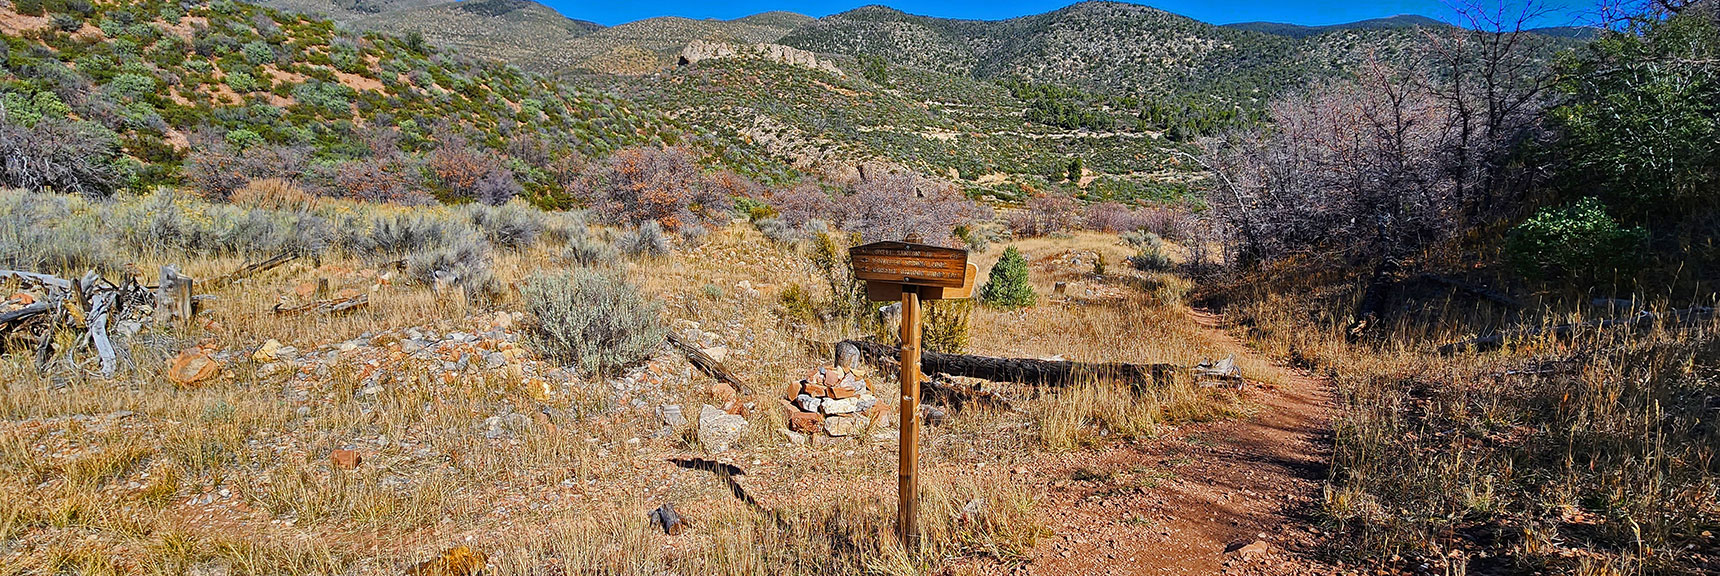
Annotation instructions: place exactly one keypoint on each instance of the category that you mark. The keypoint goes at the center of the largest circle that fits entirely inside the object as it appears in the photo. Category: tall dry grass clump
(1596, 455)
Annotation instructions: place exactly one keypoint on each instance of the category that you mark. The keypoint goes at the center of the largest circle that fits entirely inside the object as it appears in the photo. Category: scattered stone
(494, 360)
(1249, 550)
(671, 415)
(666, 518)
(808, 402)
(808, 422)
(718, 353)
(345, 459)
(840, 406)
(718, 430)
(933, 416)
(456, 561)
(845, 425)
(268, 352)
(192, 367)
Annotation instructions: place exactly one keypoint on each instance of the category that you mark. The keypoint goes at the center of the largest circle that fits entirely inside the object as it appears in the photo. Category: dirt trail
(1202, 497)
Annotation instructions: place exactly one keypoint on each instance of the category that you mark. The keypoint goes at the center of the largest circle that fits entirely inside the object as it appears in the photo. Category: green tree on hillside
(1007, 285)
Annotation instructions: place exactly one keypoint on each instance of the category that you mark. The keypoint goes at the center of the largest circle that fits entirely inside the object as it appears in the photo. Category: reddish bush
(1047, 214)
(892, 206)
(381, 180)
(1115, 217)
(664, 185)
(803, 203)
(216, 169)
(458, 169)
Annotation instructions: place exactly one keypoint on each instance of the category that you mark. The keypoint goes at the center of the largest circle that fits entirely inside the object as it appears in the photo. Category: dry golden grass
(235, 474)
(1591, 456)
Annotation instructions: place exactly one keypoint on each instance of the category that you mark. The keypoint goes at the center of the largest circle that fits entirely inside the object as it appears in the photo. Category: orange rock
(875, 411)
(792, 390)
(192, 367)
(832, 376)
(345, 459)
(305, 290)
(22, 299)
(815, 389)
(805, 422)
(736, 407)
(723, 392)
(843, 391)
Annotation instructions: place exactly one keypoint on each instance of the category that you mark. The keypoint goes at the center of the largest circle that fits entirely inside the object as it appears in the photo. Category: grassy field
(468, 438)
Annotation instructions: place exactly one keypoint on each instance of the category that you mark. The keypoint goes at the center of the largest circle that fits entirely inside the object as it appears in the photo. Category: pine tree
(1007, 285)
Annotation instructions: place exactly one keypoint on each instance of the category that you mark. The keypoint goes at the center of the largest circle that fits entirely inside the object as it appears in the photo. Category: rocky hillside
(160, 79)
(653, 44)
(1096, 45)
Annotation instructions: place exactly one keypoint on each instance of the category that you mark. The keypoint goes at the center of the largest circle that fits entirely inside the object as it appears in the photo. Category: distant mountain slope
(1107, 45)
(1300, 31)
(650, 45)
(520, 32)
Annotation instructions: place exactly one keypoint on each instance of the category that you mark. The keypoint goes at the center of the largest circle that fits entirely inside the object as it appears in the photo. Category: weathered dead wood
(97, 329)
(42, 279)
(1637, 321)
(705, 363)
(959, 398)
(249, 270)
(23, 313)
(332, 306)
(666, 518)
(1025, 370)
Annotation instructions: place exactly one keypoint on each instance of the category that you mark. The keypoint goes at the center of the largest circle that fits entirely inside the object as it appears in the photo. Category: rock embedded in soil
(845, 425)
(719, 430)
(671, 415)
(345, 459)
(193, 366)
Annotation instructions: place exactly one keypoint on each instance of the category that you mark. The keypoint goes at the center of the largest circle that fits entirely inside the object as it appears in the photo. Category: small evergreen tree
(1007, 285)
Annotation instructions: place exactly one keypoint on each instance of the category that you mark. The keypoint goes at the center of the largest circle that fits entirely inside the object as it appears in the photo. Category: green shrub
(585, 250)
(513, 226)
(646, 240)
(945, 325)
(28, 7)
(593, 320)
(1149, 251)
(463, 262)
(1007, 286)
(1579, 243)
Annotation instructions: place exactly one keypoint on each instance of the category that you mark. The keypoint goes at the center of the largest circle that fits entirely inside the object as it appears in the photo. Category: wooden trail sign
(911, 272)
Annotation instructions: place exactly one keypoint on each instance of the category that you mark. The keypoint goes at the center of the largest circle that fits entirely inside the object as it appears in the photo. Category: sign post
(912, 272)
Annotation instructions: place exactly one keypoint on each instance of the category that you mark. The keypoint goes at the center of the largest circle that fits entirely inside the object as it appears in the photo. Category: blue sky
(1307, 12)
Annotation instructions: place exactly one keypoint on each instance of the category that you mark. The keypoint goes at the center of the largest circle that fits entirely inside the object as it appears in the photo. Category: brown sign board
(885, 292)
(910, 264)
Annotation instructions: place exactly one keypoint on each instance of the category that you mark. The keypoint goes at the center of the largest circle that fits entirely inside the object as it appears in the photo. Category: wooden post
(908, 485)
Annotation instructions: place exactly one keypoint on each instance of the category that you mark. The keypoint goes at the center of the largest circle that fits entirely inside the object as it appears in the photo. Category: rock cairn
(832, 400)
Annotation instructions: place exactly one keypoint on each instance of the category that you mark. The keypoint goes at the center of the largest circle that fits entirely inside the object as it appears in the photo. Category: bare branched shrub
(801, 204)
(216, 169)
(895, 205)
(386, 179)
(1115, 217)
(591, 319)
(59, 156)
(1045, 215)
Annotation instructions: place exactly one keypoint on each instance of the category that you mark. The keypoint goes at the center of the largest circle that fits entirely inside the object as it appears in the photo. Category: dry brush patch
(1594, 456)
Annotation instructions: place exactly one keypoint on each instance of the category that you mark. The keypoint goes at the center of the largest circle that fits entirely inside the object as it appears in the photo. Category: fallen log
(1637, 321)
(959, 398)
(705, 363)
(331, 306)
(248, 270)
(1022, 370)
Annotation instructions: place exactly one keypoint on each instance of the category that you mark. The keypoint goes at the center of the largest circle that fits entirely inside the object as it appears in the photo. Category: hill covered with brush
(131, 89)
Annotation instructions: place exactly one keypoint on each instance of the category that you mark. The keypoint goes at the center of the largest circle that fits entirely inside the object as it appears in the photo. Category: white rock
(843, 406)
(718, 430)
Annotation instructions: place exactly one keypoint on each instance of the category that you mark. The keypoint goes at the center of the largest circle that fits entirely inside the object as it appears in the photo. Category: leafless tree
(59, 156)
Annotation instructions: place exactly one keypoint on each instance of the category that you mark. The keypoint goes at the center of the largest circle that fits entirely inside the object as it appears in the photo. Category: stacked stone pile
(833, 400)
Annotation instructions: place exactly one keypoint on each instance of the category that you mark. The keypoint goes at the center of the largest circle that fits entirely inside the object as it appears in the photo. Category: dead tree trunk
(1053, 373)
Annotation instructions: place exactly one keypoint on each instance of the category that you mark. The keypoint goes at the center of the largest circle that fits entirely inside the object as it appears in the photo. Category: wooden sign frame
(911, 272)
